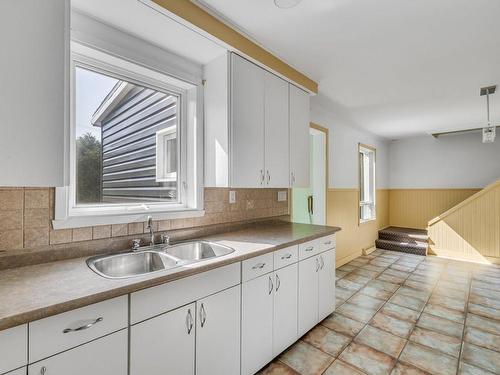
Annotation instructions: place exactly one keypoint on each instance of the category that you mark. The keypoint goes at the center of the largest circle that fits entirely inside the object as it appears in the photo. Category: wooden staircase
(406, 240)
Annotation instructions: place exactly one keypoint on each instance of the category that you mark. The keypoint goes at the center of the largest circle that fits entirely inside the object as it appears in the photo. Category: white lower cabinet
(13, 348)
(316, 290)
(164, 344)
(21, 371)
(269, 317)
(107, 355)
(218, 333)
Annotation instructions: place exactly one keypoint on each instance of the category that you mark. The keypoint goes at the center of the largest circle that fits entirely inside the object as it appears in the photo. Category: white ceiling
(396, 67)
(142, 21)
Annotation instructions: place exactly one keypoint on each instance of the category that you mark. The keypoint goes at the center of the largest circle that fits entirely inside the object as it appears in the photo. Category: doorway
(309, 204)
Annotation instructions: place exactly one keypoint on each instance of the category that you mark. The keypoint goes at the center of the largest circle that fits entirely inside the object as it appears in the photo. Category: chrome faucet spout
(151, 231)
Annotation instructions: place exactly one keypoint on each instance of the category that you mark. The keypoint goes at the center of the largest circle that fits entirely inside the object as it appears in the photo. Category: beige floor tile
(391, 271)
(443, 312)
(429, 360)
(481, 357)
(344, 293)
(361, 314)
(445, 326)
(482, 338)
(415, 293)
(447, 344)
(365, 273)
(466, 369)
(339, 367)
(342, 324)
(488, 293)
(485, 301)
(355, 278)
(487, 312)
(405, 369)
(347, 268)
(402, 268)
(390, 279)
(306, 359)
(419, 285)
(366, 301)
(448, 302)
(392, 325)
(486, 324)
(409, 302)
(400, 312)
(380, 340)
(277, 368)
(372, 267)
(387, 286)
(326, 340)
(376, 292)
(369, 360)
(347, 284)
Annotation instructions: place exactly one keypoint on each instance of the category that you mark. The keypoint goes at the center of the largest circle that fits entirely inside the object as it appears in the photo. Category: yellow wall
(471, 230)
(414, 208)
(208, 23)
(354, 237)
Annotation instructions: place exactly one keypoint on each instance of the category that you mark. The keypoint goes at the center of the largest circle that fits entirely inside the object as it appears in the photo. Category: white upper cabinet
(34, 36)
(276, 132)
(247, 125)
(299, 137)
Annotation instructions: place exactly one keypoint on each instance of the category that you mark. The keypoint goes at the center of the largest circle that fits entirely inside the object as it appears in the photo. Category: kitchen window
(132, 144)
(367, 191)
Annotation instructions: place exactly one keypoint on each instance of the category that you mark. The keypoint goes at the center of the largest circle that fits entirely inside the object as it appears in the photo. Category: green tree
(88, 169)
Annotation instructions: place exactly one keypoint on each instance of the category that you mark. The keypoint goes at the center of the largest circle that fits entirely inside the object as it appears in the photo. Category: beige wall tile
(11, 199)
(82, 234)
(12, 219)
(136, 228)
(11, 239)
(34, 237)
(60, 236)
(119, 230)
(102, 231)
(37, 218)
(164, 225)
(36, 198)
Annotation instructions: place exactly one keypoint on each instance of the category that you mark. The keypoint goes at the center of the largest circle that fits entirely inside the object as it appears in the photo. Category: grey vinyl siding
(128, 136)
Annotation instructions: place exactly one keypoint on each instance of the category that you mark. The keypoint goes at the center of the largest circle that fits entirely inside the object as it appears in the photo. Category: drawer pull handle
(43, 370)
(84, 327)
(189, 322)
(287, 256)
(310, 248)
(328, 242)
(259, 266)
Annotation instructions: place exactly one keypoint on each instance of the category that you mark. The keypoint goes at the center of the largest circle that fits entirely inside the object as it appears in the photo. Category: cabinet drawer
(326, 243)
(309, 248)
(157, 300)
(254, 267)
(13, 348)
(286, 256)
(64, 331)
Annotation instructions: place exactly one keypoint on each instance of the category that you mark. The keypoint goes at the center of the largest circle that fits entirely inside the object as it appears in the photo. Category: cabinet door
(299, 137)
(308, 294)
(285, 308)
(34, 36)
(326, 285)
(107, 355)
(21, 371)
(276, 132)
(218, 333)
(256, 323)
(247, 124)
(164, 344)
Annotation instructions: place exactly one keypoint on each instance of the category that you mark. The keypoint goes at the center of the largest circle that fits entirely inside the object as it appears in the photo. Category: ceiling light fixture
(489, 131)
(286, 4)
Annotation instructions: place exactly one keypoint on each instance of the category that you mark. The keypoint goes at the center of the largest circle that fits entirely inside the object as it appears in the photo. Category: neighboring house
(139, 144)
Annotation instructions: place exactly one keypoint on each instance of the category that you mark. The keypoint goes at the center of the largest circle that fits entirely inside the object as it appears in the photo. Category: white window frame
(190, 192)
(371, 152)
(162, 137)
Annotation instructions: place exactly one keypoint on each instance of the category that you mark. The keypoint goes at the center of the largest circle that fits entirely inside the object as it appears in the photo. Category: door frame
(313, 125)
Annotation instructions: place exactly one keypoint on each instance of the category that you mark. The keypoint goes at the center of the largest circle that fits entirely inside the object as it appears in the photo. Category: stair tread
(398, 233)
(420, 244)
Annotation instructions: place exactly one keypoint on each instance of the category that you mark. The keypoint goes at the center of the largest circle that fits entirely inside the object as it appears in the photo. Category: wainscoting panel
(414, 208)
(354, 237)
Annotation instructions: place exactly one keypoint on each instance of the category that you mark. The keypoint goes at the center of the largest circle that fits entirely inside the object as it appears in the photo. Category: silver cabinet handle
(261, 176)
(84, 327)
(268, 177)
(310, 248)
(203, 315)
(189, 321)
(286, 256)
(317, 265)
(322, 262)
(259, 266)
(271, 286)
(278, 282)
(328, 242)
(43, 370)
(293, 178)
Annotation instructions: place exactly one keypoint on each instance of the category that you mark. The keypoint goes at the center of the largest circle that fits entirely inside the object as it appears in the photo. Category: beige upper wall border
(205, 21)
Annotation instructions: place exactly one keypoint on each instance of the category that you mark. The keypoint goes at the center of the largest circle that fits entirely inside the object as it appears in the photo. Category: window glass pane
(126, 141)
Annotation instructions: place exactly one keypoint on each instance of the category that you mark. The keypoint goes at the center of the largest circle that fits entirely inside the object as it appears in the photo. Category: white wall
(343, 144)
(452, 161)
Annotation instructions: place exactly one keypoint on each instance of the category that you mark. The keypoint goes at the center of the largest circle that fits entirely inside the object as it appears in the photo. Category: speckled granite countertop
(34, 292)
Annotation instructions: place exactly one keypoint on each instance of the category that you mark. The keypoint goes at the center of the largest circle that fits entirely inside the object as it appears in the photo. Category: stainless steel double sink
(155, 259)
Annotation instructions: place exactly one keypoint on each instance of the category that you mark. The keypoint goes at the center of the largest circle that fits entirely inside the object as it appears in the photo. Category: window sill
(367, 221)
(95, 220)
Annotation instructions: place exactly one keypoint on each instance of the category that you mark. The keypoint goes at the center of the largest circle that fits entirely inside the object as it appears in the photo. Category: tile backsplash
(26, 214)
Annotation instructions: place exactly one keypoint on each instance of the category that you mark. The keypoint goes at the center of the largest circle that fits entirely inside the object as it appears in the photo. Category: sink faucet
(151, 231)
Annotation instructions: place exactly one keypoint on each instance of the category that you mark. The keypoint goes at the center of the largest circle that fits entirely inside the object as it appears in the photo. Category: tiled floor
(404, 314)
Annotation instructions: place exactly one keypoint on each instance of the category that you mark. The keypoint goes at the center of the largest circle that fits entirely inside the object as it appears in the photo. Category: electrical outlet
(282, 196)
(232, 196)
